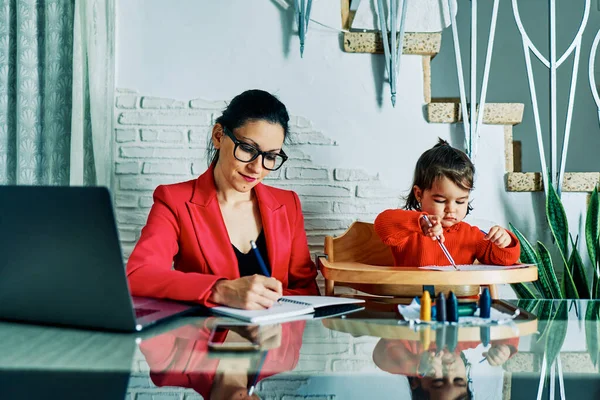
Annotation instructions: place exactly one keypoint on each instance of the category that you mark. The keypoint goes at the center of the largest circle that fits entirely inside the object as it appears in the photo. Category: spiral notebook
(293, 306)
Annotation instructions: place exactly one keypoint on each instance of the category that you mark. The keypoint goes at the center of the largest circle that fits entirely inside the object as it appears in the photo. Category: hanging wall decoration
(591, 71)
(302, 18)
(473, 117)
(555, 171)
(392, 47)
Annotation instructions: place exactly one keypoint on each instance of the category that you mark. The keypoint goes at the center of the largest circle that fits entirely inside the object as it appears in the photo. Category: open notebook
(475, 267)
(293, 306)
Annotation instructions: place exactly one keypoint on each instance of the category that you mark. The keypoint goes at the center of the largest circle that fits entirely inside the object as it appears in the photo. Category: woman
(196, 243)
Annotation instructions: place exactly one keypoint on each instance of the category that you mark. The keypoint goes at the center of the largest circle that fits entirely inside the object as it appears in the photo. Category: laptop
(61, 262)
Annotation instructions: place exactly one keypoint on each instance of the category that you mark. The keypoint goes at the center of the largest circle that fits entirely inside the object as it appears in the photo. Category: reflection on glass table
(370, 355)
(42, 362)
(182, 357)
(556, 354)
(447, 362)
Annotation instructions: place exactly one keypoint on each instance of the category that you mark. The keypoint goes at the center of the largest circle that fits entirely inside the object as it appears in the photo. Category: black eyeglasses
(245, 152)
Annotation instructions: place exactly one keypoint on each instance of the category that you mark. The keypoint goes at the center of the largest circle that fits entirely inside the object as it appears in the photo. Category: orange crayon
(425, 336)
(425, 306)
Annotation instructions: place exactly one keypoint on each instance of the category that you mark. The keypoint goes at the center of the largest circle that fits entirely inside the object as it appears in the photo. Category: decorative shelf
(449, 112)
(532, 181)
(420, 43)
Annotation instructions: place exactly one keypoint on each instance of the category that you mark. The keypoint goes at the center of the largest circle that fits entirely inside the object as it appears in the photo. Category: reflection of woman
(436, 374)
(196, 243)
(181, 358)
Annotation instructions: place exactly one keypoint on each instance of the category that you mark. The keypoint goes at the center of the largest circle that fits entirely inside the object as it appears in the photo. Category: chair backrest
(360, 243)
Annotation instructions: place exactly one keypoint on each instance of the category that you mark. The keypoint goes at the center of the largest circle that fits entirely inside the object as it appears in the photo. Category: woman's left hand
(499, 236)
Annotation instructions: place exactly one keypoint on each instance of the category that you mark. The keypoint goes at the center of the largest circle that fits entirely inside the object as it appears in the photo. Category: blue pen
(261, 262)
(263, 357)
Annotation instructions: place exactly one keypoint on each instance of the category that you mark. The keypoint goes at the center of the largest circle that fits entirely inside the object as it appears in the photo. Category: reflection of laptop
(61, 263)
(41, 362)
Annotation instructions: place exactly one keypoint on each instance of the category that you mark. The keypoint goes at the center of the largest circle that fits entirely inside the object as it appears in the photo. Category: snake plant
(575, 283)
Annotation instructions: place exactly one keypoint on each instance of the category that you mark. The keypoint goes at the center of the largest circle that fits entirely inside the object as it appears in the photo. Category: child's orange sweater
(400, 230)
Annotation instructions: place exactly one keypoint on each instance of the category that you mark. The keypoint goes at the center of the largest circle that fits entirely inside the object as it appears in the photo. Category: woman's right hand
(255, 292)
(267, 336)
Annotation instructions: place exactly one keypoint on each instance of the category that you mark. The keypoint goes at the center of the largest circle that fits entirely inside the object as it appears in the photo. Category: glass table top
(551, 348)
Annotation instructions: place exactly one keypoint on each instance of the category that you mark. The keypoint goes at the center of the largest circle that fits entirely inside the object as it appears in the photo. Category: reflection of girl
(437, 375)
(181, 358)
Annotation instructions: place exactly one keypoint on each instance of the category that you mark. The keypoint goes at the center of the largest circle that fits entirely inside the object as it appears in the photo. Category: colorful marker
(452, 337)
(440, 308)
(425, 336)
(440, 338)
(425, 307)
(485, 303)
(464, 310)
(484, 335)
(452, 307)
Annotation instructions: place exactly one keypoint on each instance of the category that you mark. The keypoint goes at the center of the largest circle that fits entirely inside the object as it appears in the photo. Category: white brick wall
(160, 141)
(164, 141)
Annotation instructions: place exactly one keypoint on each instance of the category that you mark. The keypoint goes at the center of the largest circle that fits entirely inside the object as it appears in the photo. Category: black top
(247, 263)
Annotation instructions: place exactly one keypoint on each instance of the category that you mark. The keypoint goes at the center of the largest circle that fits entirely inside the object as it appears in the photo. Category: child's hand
(499, 236)
(497, 354)
(432, 229)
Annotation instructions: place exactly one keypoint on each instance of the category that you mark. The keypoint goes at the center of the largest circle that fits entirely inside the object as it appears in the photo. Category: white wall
(214, 50)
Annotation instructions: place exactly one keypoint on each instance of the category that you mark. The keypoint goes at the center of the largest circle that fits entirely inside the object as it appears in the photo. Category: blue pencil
(261, 262)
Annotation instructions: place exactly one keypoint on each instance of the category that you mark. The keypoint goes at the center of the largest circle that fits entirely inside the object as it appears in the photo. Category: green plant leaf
(570, 290)
(528, 305)
(596, 276)
(544, 313)
(558, 329)
(592, 226)
(522, 291)
(591, 330)
(529, 256)
(547, 275)
(557, 219)
(577, 270)
(527, 252)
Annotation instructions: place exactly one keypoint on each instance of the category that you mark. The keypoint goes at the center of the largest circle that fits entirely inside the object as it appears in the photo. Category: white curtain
(93, 92)
(56, 91)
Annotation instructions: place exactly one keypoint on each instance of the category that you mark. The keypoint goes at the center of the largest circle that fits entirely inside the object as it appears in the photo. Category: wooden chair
(358, 259)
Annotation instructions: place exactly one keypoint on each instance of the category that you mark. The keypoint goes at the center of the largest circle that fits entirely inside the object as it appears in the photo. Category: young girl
(442, 183)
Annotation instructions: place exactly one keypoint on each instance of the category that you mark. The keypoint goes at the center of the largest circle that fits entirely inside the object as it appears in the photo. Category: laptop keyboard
(142, 312)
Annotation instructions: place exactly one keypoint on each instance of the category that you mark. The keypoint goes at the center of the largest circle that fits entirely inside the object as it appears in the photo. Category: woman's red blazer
(185, 248)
